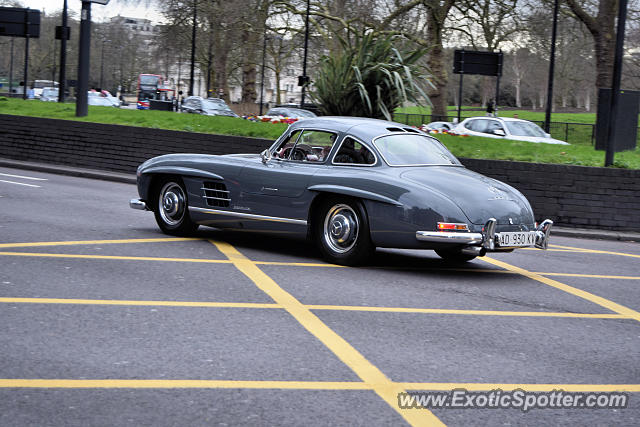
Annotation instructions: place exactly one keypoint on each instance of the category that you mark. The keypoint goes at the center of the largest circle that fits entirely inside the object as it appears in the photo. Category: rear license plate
(516, 238)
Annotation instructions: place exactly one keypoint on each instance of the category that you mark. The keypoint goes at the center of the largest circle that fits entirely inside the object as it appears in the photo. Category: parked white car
(505, 128)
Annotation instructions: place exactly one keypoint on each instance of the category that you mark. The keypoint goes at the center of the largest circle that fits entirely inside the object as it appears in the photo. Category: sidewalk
(627, 236)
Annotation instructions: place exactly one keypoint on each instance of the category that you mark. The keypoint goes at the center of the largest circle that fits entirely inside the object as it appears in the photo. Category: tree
(370, 78)
(601, 26)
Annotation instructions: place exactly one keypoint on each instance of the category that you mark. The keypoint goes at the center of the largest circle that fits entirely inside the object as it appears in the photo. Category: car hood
(221, 113)
(478, 196)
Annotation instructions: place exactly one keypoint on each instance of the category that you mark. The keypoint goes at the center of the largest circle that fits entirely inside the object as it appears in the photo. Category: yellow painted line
(299, 264)
(632, 388)
(97, 242)
(596, 251)
(304, 385)
(213, 304)
(102, 383)
(369, 373)
(610, 305)
(296, 264)
(554, 250)
(137, 303)
(590, 276)
(115, 257)
(466, 312)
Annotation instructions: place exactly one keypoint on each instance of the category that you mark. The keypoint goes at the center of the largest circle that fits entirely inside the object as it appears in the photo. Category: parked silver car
(505, 128)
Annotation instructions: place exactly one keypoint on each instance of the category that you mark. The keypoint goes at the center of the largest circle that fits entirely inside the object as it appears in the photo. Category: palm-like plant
(369, 78)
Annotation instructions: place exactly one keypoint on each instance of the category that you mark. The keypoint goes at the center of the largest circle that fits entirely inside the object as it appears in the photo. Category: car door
(276, 188)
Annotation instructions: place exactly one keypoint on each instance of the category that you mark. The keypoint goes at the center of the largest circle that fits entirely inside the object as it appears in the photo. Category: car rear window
(413, 150)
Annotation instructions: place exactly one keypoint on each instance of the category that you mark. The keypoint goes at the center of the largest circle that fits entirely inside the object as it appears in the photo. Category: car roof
(361, 127)
(504, 119)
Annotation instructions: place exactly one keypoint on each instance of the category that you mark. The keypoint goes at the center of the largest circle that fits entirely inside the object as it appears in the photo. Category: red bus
(152, 86)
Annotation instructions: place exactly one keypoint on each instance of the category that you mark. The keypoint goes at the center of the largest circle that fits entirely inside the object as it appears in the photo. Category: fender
(179, 170)
(348, 191)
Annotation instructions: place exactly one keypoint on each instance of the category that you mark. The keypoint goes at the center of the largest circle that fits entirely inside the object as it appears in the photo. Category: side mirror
(265, 156)
(547, 135)
(499, 132)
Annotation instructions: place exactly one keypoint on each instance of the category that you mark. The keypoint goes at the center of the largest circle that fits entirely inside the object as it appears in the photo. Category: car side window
(354, 153)
(284, 149)
(313, 146)
(493, 126)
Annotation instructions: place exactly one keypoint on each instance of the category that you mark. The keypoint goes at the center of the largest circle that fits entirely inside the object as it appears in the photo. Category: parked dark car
(350, 184)
(207, 106)
(294, 113)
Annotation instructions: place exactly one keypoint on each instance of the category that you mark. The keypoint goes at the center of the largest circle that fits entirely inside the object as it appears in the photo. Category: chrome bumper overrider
(486, 239)
(138, 204)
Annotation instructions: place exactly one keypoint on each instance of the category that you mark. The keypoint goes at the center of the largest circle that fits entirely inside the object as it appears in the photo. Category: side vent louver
(216, 194)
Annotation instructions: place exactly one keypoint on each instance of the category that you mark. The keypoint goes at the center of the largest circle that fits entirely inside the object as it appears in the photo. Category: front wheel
(342, 232)
(454, 256)
(172, 210)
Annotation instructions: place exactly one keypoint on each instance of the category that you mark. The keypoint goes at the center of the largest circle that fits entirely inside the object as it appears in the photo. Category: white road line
(20, 183)
(24, 177)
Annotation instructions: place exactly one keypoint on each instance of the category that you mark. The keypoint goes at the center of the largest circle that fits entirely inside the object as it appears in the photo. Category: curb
(623, 236)
(70, 171)
(584, 233)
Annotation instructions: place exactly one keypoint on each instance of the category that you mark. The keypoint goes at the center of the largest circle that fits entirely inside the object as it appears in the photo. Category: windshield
(413, 150)
(209, 104)
(301, 113)
(149, 80)
(525, 129)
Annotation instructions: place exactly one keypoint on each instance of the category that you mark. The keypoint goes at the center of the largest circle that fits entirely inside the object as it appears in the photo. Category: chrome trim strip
(213, 189)
(217, 198)
(449, 237)
(249, 216)
(138, 204)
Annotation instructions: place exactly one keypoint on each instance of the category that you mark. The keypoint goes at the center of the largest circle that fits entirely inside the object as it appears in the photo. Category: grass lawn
(473, 147)
(144, 118)
(490, 148)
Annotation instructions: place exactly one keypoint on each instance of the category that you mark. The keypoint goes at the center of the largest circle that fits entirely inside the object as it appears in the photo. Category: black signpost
(20, 22)
(477, 62)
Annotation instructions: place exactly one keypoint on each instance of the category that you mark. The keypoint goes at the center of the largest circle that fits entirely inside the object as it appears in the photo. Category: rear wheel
(172, 209)
(454, 255)
(342, 232)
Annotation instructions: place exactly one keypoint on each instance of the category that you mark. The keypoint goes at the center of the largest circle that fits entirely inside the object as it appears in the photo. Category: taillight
(451, 226)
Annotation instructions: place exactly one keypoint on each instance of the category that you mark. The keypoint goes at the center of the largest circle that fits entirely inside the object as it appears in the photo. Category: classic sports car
(351, 184)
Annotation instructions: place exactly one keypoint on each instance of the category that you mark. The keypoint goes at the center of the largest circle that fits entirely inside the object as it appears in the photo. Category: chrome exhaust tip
(474, 251)
(138, 204)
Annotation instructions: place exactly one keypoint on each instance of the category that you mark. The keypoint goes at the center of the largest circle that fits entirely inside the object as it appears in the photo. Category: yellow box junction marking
(214, 304)
(369, 373)
(303, 385)
(610, 305)
(97, 242)
(596, 251)
(116, 257)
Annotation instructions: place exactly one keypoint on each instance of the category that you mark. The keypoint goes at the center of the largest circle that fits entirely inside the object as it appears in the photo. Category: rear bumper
(486, 239)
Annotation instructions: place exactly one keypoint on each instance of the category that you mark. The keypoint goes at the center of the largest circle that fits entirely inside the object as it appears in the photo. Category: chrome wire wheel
(341, 227)
(172, 204)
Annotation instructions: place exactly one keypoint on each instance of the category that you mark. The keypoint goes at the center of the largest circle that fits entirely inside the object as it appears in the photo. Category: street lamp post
(615, 85)
(304, 63)
(552, 61)
(264, 50)
(193, 47)
(82, 100)
(63, 55)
